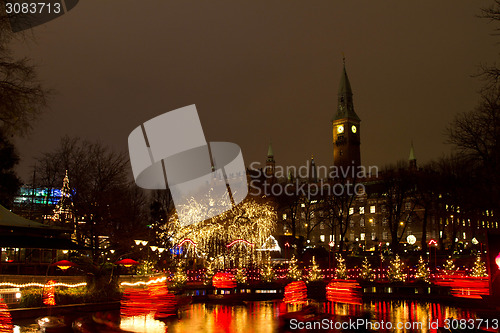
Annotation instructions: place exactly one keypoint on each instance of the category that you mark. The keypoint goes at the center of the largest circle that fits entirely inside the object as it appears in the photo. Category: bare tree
(98, 177)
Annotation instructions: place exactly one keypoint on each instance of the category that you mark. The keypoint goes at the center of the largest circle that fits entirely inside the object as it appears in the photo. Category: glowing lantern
(64, 264)
(224, 280)
(5, 318)
(343, 292)
(296, 292)
(411, 239)
(48, 293)
(127, 262)
(497, 260)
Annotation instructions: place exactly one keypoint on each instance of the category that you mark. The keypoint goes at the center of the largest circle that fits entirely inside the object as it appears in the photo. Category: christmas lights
(296, 292)
(315, 272)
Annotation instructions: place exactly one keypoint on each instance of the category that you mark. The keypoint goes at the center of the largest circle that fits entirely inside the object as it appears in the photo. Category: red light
(224, 280)
(432, 242)
(48, 293)
(345, 291)
(5, 318)
(497, 260)
(296, 292)
(239, 241)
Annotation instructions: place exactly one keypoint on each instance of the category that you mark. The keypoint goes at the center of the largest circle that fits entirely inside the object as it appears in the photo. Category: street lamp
(434, 242)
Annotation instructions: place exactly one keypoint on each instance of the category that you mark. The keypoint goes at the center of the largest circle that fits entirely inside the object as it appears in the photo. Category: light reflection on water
(262, 317)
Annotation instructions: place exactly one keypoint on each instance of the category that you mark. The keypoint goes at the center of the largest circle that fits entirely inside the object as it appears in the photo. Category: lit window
(351, 236)
(374, 236)
(351, 211)
(284, 216)
(361, 210)
(372, 209)
(362, 236)
(322, 225)
(384, 235)
(362, 222)
(302, 205)
(465, 236)
(321, 238)
(384, 221)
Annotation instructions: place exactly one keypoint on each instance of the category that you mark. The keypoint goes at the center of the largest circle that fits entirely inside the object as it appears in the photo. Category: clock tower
(346, 131)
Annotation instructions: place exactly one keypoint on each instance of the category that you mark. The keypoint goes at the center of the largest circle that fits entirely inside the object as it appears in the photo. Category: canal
(267, 317)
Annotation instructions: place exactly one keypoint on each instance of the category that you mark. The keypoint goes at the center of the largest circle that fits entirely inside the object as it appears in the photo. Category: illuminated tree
(241, 276)
(395, 270)
(479, 268)
(314, 272)
(267, 272)
(294, 272)
(423, 272)
(449, 267)
(180, 277)
(146, 267)
(252, 220)
(341, 270)
(209, 274)
(366, 271)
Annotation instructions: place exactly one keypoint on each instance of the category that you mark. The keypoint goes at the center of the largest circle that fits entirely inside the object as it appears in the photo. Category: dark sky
(261, 70)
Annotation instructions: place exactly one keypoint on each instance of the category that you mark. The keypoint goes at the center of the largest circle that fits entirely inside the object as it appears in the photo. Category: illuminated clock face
(354, 129)
(340, 129)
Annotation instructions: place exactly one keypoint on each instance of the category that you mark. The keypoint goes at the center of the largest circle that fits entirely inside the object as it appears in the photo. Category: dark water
(263, 317)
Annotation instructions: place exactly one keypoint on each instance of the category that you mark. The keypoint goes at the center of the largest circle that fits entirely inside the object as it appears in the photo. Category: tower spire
(412, 160)
(270, 163)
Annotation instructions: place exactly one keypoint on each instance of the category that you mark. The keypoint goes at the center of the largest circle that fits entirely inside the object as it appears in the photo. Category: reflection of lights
(41, 285)
(144, 283)
(145, 324)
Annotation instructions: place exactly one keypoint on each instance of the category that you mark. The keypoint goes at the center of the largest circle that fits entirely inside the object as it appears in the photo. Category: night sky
(260, 71)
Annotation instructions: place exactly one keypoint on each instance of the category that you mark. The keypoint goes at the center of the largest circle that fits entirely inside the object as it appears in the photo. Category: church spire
(270, 163)
(270, 153)
(345, 106)
(412, 159)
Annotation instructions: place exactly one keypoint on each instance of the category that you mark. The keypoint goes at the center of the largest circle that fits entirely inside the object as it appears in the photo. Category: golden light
(137, 241)
(144, 243)
(161, 249)
(154, 248)
(64, 267)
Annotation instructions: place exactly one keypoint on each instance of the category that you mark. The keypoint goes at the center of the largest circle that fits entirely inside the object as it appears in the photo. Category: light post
(434, 242)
